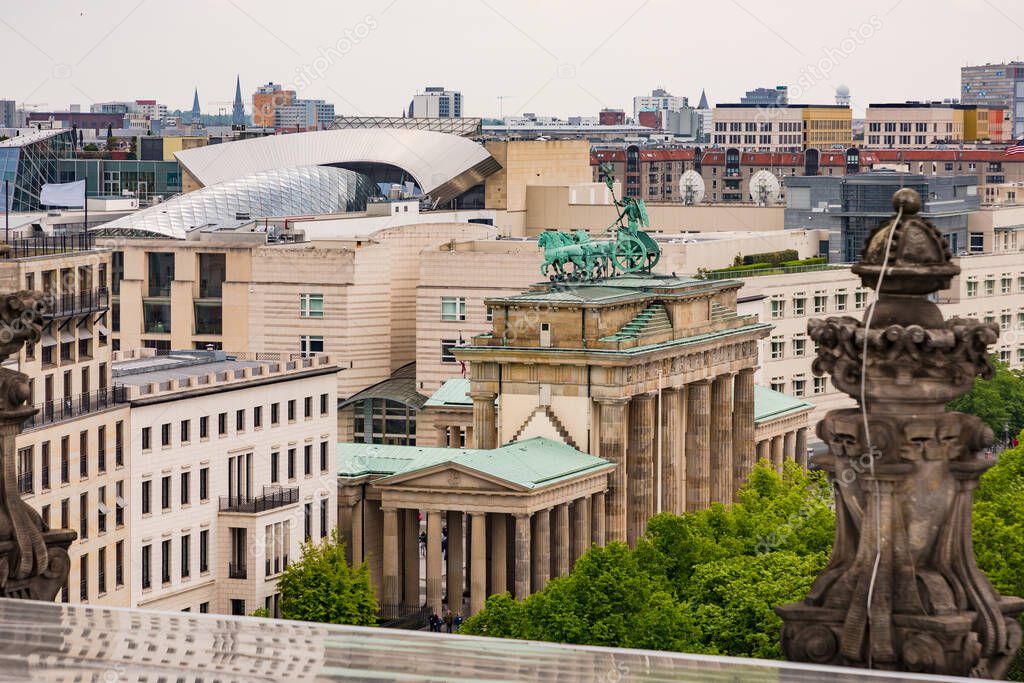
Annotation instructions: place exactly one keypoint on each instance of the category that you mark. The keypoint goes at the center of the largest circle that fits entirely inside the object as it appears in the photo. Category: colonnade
(789, 445)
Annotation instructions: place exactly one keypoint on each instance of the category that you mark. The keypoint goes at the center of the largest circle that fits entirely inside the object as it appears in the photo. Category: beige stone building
(353, 296)
(232, 470)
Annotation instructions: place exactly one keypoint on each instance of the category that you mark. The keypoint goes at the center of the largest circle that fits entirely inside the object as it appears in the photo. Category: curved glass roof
(283, 192)
(443, 165)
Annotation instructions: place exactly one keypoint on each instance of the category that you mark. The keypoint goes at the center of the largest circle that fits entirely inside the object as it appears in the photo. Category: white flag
(63, 194)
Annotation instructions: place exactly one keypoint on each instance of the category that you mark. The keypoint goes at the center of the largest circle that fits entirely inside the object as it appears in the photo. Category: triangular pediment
(449, 476)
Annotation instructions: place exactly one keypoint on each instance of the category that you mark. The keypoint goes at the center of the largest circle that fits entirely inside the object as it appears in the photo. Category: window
(307, 511)
(860, 299)
(488, 314)
(323, 456)
(65, 455)
(323, 517)
(447, 347)
(44, 513)
(778, 308)
(204, 427)
(101, 571)
(310, 345)
(204, 608)
(1004, 285)
(119, 504)
(204, 483)
(240, 420)
(798, 386)
(275, 463)
(165, 434)
(972, 288)
(186, 555)
(65, 513)
(1004, 355)
(257, 417)
(222, 424)
(101, 448)
(291, 463)
(307, 459)
(325, 404)
(44, 470)
(819, 303)
(798, 305)
(119, 564)
(237, 607)
(819, 385)
(1020, 283)
(147, 567)
(291, 410)
(165, 493)
(204, 551)
(83, 516)
(186, 428)
(840, 301)
(83, 578)
(165, 561)
(307, 407)
(778, 384)
(119, 444)
(26, 477)
(146, 443)
(186, 487)
(83, 454)
(990, 287)
(799, 347)
(101, 510)
(1004, 321)
(778, 347)
(275, 413)
(453, 308)
(311, 305)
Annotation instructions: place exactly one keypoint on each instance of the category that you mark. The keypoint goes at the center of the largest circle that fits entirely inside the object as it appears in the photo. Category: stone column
(478, 546)
(522, 579)
(721, 437)
(392, 588)
(742, 428)
(777, 452)
(434, 597)
(561, 544)
(499, 553)
(357, 533)
(455, 558)
(442, 437)
(764, 451)
(485, 430)
(580, 528)
(541, 552)
(789, 446)
(597, 518)
(698, 445)
(411, 559)
(640, 466)
(613, 448)
(801, 447)
(673, 458)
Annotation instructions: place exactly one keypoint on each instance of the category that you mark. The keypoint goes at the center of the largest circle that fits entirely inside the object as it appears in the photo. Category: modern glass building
(27, 162)
(111, 177)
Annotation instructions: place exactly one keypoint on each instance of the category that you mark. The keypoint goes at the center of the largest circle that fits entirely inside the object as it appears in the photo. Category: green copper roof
(454, 392)
(771, 405)
(530, 464)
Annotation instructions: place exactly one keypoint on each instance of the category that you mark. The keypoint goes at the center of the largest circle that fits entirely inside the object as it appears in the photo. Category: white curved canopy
(443, 165)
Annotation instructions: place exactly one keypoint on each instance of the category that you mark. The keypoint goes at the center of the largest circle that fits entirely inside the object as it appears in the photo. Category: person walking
(458, 622)
(449, 620)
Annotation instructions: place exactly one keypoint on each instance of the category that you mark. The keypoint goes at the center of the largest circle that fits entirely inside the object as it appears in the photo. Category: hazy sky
(549, 57)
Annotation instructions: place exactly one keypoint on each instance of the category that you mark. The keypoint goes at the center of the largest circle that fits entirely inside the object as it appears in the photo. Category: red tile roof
(769, 159)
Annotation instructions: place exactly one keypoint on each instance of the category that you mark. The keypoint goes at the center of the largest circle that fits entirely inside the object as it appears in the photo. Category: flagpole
(85, 197)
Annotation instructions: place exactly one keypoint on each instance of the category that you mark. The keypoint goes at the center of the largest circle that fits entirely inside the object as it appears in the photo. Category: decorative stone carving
(34, 561)
(902, 590)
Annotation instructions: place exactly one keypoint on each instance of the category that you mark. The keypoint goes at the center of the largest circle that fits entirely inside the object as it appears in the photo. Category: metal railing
(65, 304)
(44, 245)
(273, 497)
(753, 272)
(26, 482)
(71, 407)
(236, 571)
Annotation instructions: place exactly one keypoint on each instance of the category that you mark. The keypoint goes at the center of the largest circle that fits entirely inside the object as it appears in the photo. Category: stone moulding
(902, 590)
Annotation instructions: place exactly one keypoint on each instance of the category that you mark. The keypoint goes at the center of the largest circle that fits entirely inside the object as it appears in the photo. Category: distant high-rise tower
(703, 101)
(195, 108)
(238, 109)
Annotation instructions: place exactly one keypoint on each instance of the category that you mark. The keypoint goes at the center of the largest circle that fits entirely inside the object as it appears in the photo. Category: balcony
(48, 244)
(70, 407)
(273, 497)
(275, 566)
(26, 482)
(236, 571)
(69, 304)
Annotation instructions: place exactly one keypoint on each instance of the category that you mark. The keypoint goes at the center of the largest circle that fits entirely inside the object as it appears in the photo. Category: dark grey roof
(401, 387)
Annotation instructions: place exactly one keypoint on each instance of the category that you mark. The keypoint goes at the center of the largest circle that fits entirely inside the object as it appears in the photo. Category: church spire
(195, 108)
(703, 101)
(238, 109)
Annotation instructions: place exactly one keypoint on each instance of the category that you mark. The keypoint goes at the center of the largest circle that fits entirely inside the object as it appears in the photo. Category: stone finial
(904, 471)
(34, 561)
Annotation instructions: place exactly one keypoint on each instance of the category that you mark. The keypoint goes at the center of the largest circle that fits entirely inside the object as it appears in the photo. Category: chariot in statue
(574, 256)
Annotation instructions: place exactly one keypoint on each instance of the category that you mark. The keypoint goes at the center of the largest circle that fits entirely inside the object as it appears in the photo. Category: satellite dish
(691, 187)
(764, 188)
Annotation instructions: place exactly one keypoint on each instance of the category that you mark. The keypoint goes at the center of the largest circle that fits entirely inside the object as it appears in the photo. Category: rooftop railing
(45, 245)
(70, 407)
(755, 272)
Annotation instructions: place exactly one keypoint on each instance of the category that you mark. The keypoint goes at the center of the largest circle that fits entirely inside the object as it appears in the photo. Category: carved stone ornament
(902, 590)
(34, 561)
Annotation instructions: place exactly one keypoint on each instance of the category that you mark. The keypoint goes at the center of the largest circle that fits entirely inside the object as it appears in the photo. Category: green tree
(324, 588)
(999, 401)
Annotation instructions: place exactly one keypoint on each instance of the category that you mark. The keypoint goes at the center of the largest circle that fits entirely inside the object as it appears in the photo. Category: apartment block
(232, 470)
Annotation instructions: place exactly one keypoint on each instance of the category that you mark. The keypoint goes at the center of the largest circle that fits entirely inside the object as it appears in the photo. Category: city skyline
(621, 50)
